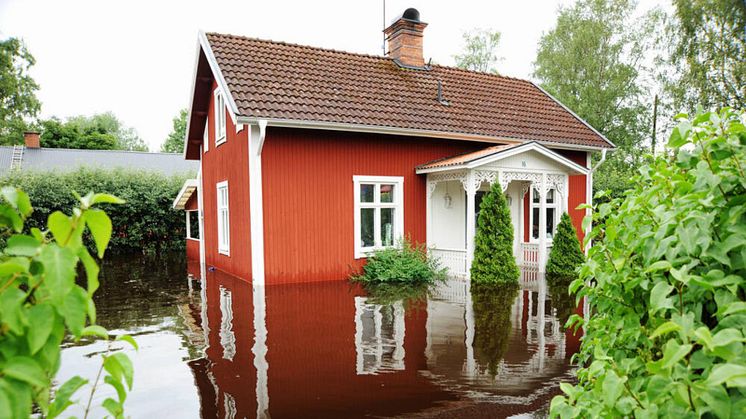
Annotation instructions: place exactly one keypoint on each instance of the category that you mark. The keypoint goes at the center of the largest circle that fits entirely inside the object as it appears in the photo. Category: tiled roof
(62, 159)
(466, 157)
(276, 80)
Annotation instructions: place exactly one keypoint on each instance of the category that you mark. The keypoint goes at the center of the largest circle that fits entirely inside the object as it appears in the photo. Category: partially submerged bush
(566, 255)
(666, 285)
(405, 263)
(146, 223)
(493, 245)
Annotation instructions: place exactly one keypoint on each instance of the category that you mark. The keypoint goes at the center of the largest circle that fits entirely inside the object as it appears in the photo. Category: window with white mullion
(551, 212)
(378, 212)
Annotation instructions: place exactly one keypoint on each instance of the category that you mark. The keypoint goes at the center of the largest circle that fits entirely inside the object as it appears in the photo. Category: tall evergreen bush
(566, 255)
(493, 245)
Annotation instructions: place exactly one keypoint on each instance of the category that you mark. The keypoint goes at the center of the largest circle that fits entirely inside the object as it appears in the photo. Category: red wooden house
(312, 158)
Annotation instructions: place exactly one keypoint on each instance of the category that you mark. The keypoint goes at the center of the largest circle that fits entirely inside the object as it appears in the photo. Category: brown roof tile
(276, 80)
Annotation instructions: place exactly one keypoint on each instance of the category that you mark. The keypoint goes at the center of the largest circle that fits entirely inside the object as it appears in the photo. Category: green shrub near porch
(406, 263)
(494, 261)
(566, 255)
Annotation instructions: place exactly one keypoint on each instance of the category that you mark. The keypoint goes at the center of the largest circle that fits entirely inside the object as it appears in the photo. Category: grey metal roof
(63, 159)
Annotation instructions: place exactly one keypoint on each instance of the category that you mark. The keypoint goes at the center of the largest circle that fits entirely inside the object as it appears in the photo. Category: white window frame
(224, 231)
(556, 205)
(398, 205)
(189, 225)
(220, 122)
(206, 138)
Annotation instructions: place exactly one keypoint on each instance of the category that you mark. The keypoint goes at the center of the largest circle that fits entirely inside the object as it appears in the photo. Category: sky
(136, 58)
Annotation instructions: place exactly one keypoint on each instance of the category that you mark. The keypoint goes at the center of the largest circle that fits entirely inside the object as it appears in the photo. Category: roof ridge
(293, 44)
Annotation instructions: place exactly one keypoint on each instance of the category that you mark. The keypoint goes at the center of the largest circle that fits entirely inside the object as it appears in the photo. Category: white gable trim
(222, 85)
(499, 155)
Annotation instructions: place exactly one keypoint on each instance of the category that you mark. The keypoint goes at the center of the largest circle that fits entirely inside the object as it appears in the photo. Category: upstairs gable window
(379, 212)
(219, 118)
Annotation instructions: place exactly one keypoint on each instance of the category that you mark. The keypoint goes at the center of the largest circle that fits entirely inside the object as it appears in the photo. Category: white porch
(535, 182)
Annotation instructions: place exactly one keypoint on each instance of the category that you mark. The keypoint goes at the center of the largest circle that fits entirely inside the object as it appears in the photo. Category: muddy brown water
(218, 347)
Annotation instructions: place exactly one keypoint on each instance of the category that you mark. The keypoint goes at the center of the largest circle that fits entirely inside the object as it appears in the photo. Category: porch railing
(528, 256)
(453, 259)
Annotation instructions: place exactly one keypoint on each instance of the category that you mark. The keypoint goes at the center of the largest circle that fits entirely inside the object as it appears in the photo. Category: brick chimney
(404, 38)
(31, 139)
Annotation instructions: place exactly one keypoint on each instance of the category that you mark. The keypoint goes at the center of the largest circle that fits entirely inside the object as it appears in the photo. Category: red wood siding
(577, 197)
(308, 195)
(228, 161)
(578, 157)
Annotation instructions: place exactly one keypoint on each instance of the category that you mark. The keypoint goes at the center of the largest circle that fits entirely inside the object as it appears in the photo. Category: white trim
(574, 114)
(397, 205)
(189, 225)
(191, 97)
(188, 184)
(375, 129)
(499, 155)
(220, 122)
(557, 212)
(201, 209)
(218, 74)
(206, 137)
(224, 231)
(256, 136)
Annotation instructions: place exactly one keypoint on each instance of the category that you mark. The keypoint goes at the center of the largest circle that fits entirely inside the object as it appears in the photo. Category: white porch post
(470, 226)
(542, 222)
(429, 188)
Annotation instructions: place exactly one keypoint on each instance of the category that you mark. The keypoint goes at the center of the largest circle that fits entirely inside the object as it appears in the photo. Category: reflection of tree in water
(562, 301)
(492, 308)
(411, 295)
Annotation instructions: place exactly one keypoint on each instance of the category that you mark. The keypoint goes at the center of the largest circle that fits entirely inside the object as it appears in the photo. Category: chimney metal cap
(411, 14)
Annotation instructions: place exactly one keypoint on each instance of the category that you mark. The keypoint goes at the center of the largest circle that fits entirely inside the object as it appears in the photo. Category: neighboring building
(311, 158)
(32, 157)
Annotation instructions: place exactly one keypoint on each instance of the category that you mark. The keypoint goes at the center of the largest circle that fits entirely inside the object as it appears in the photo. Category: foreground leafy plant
(405, 263)
(40, 304)
(666, 285)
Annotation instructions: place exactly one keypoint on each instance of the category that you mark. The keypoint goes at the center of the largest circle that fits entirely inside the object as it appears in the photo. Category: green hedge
(146, 223)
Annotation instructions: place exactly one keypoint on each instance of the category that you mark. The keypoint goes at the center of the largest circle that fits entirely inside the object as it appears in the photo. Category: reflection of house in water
(325, 350)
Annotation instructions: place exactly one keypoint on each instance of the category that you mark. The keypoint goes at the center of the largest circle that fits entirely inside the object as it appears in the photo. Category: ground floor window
(551, 207)
(192, 224)
(379, 212)
(224, 241)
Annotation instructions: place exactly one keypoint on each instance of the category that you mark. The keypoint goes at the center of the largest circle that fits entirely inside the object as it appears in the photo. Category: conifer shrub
(492, 304)
(665, 282)
(493, 245)
(566, 255)
(405, 263)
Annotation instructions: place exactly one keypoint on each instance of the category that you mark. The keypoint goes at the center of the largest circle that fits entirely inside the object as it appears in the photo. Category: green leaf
(665, 328)
(674, 352)
(10, 218)
(27, 370)
(11, 301)
(128, 339)
(102, 198)
(659, 266)
(6, 408)
(17, 199)
(21, 245)
(613, 386)
(61, 227)
(74, 310)
(125, 364)
(41, 320)
(91, 270)
(121, 392)
(100, 225)
(658, 296)
(14, 265)
(95, 330)
(59, 270)
(63, 394)
(729, 373)
(726, 337)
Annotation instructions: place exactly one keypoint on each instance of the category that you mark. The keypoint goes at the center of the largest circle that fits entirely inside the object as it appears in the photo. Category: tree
(492, 311)
(664, 283)
(175, 141)
(591, 62)
(566, 254)
(479, 53)
(709, 47)
(18, 101)
(493, 244)
(98, 132)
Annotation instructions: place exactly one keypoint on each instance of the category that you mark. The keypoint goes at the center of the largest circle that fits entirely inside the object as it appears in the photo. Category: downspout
(589, 193)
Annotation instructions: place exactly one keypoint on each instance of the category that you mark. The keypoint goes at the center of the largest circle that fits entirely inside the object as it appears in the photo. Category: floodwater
(217, 347)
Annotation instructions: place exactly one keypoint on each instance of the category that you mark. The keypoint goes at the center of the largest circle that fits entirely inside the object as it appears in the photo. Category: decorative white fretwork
(434, 178)
(556, 182)
(508, 176)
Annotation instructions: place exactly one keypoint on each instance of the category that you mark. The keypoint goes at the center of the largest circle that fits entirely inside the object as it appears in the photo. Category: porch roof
(190, 185)
(493, 154)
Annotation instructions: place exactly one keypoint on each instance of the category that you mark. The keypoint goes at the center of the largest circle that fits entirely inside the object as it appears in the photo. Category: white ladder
(17, 157)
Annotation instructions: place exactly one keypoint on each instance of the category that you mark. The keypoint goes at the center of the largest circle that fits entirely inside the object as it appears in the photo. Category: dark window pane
(550, 222)
(194, 224)
(387, 193)
(387, 226)
(550, 196)
(536, 196)
(366, 193)
(366, 227)
(535, 223)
